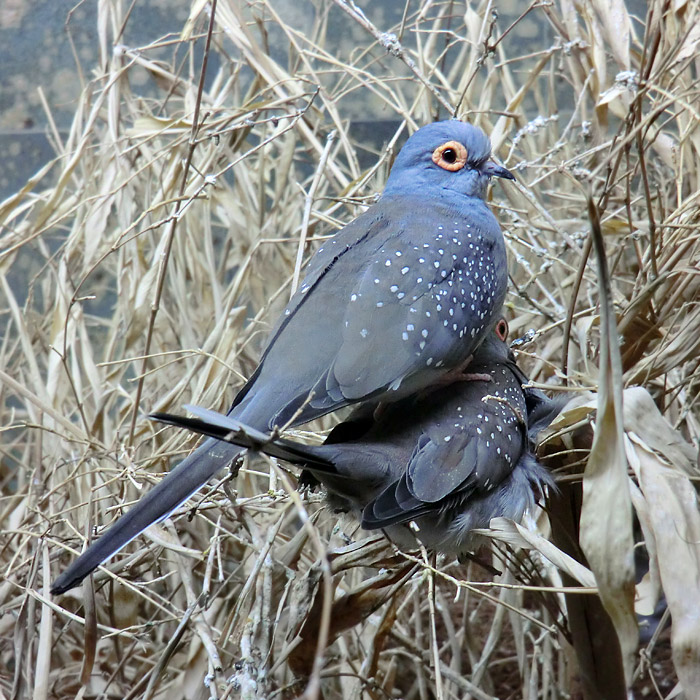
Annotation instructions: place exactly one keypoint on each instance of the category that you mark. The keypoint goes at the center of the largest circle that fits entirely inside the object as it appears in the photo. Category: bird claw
(459, 374)
(450, 377)
(473, 377)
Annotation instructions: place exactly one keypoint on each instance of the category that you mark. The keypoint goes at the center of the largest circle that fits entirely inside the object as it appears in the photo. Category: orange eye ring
(451, 155)
(502, 329)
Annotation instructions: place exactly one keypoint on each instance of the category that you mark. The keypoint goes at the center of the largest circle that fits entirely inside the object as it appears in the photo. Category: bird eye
(451, 156)
(502, 330)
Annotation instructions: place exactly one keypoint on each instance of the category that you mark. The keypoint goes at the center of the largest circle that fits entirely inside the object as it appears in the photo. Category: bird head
(494, 348)
(447, 155)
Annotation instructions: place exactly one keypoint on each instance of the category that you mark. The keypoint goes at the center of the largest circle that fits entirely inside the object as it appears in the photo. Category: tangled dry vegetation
(140, 270)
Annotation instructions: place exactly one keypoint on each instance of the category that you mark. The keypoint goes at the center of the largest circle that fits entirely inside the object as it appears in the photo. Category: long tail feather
(235, 432)
(183, 481)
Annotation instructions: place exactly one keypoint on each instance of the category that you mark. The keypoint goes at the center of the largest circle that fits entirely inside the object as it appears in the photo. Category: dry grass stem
(141, 268)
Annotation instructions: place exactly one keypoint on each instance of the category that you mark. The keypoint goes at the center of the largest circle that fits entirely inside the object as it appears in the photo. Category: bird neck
(428, 192)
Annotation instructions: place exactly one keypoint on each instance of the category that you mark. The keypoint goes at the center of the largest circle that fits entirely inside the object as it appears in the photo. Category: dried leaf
(606, 513)
(516, 535)
(675, 518)
(617, 27)
(643, 418)
(649, 590)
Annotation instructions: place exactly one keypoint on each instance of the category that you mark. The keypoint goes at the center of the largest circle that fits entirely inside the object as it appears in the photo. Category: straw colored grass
(142, 267)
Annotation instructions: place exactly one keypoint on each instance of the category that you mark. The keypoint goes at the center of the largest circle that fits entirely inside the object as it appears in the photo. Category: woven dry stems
(158, 254)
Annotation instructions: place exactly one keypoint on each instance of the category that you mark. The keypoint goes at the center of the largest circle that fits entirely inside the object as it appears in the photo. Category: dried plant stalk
(142, 267)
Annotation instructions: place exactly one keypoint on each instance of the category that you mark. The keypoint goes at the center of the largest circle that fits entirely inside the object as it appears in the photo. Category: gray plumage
(401, 295)
(448, 460)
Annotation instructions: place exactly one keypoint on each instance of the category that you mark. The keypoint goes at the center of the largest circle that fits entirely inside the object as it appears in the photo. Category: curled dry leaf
(514, 534)
(674, 517)
(606, 512)
(643, 418)
(648, 589)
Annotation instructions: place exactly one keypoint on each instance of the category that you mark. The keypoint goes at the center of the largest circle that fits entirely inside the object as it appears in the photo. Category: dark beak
(494, 170)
